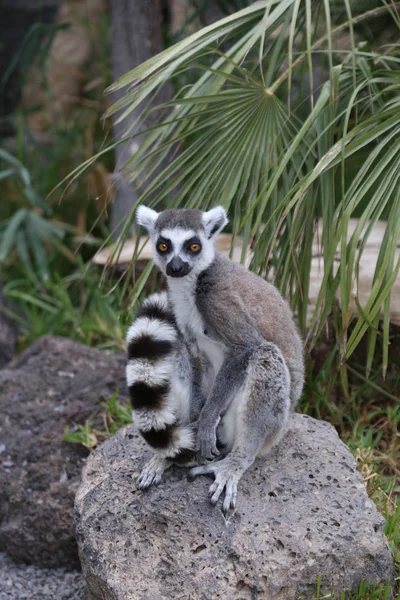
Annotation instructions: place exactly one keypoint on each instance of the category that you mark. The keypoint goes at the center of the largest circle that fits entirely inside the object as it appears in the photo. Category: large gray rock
(55, 383)
(302, 512)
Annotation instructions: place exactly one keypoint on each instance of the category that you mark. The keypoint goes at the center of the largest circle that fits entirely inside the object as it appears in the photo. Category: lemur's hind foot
(152, 472)
(227, 474)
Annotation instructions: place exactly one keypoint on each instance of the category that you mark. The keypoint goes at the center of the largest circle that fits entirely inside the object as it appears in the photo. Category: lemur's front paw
(152, 472)
(207, 443)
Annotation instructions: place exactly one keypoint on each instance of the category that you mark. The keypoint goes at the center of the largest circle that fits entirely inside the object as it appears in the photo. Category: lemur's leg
(155, 467)
(262, 410)
(229, 380)
(198, 397)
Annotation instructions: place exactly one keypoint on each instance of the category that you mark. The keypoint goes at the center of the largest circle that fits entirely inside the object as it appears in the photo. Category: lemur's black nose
(176, 265)
(177, 268)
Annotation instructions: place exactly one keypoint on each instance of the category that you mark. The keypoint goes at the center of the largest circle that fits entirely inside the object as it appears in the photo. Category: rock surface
(27, 582)
(55, 383)
(302, 512)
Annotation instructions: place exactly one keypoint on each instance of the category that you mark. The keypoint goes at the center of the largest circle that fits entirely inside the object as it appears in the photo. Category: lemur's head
(183, 240)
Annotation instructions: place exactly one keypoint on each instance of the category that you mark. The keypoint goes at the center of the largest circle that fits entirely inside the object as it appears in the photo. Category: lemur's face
(183, 240)
(178, 252)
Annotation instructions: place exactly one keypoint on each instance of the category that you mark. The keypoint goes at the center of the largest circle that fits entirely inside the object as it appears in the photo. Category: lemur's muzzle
(177, 268)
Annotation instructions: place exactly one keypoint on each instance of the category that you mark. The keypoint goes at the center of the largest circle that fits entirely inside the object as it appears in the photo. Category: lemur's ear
(147, 217)
(214, 221)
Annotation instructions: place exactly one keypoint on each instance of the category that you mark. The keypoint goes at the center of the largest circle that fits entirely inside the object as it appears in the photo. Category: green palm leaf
(283, 155)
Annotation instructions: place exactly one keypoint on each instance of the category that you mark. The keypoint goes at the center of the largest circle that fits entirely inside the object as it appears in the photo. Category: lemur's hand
(207, 439)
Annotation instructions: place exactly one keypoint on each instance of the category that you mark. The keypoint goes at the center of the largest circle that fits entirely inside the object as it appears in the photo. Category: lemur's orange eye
(162, 247)
(194, 247)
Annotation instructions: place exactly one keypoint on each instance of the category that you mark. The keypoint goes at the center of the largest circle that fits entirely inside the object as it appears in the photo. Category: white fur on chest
(182, 294)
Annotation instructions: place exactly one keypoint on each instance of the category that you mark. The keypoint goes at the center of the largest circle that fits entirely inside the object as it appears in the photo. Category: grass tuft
(113, 416)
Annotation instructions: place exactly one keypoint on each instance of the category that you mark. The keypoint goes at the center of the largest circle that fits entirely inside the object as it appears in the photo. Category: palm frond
(285, 156)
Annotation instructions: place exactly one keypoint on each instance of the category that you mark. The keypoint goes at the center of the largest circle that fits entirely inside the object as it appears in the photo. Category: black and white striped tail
(158, 394)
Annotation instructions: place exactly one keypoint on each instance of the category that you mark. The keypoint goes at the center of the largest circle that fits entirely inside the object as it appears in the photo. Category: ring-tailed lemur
(241, 331)
(162, 387)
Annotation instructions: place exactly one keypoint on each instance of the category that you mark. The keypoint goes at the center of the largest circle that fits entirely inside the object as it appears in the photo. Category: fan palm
(284, 115)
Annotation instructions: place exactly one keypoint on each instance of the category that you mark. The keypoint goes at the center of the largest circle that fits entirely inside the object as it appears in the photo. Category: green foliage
(32, 46)
(114, 416)
(117, 414)
(78, 306)
(368, 421)
(39, 234)
(392, 531)
(29, 231)
(36, 233)
(364, 592)
(392, 525)
(282, 156)
(81, 434)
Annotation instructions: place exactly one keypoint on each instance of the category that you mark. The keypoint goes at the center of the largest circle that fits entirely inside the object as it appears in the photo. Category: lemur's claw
(230, 496)
(215, 491)
(147, 480)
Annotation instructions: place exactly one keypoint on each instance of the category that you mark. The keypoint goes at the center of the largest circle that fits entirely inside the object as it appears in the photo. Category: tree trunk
(137, 36)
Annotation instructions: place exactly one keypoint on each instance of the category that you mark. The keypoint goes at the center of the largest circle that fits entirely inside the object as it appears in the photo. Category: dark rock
(55, 383)
(302, 512)
(8, 332)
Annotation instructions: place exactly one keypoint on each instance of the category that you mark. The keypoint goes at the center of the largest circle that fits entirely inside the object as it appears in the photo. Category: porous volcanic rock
(55, 383)
(302, 512)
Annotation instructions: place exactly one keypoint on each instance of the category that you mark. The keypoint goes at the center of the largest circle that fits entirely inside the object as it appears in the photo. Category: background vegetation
(288, 113)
